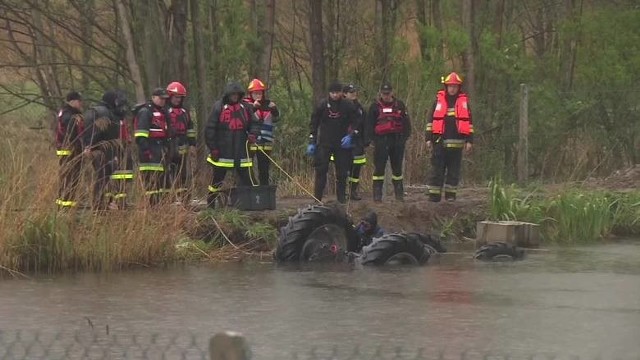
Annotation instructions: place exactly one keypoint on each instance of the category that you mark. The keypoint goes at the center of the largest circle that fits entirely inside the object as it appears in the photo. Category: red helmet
(176, 89)
(256, 85)
(452, 79)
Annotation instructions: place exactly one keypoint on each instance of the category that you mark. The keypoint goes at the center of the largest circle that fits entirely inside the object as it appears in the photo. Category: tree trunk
(469, 54)
(438, 21)
(384, 30)
(269, 38)
(134, 69)
(87, 30)
(317, 50)
(177, 34)
(200, 79)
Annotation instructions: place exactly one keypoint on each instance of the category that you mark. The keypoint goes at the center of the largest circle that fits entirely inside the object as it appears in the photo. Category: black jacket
(101, 126)
(69, 129)
(372, 118)
(229, 124)
(144, 121)
(332, 120)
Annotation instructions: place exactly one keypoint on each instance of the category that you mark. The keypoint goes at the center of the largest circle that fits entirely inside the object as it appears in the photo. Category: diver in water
(368, 229)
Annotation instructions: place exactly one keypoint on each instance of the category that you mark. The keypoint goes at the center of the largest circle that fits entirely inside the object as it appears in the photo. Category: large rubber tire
(498, 251)
(385, 248)
(432, 243)
(294, 235)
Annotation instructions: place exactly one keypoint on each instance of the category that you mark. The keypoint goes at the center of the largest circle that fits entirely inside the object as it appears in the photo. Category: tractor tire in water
(317, 232)
(395, 248)
(432, 243)
(499, 251)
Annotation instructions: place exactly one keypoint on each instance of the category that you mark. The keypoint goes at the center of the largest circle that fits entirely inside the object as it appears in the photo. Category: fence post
(523, 136)
(229, 345)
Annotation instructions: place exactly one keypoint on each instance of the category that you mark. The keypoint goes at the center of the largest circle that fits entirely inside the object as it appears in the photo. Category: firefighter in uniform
(101, 137)
(152, 133)
(267, 115)
(122, 175)
(69, 148)
(389, 126)
(449, 131)
(183, 139)
(359, 157)
(334, 130)
(230, 131)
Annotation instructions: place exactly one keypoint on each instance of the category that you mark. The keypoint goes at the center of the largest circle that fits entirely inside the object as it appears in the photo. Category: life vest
(265, 117)
(179, 120)
(125, 136)
(389, 119)
(158, 126)
(460, 111)
(235, 117)
(62, 129)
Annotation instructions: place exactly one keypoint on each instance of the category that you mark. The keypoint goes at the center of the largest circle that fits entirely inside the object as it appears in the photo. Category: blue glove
(346, 142)
(311, 149)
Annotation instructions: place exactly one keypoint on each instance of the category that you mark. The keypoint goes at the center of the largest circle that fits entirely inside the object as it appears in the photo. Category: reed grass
(572, 215)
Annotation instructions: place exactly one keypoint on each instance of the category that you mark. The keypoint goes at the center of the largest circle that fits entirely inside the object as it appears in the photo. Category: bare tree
(318, 80)
(134, 69)
(468, 12)
(177, 39)
(269, 38)
(201, 74)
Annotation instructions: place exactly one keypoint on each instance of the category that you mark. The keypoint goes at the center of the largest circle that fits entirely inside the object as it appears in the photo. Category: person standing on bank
(183, 141)
(359, 156)
(231, 130)
(267, 115)
(389, 126)
(333, 131)
(153, 133)
(449, 131)
(69, 148)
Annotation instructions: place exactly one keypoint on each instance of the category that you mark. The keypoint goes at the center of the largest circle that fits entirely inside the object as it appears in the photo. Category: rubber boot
(354, 192)
(435, 197)
(398, 189)
(449, 196)
(377, 191)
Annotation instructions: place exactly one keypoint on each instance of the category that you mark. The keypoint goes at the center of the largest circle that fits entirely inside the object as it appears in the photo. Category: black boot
(435, 197)
(450, 196)
(341, 193)
(377, 190)
(354, 192)
(398, 189)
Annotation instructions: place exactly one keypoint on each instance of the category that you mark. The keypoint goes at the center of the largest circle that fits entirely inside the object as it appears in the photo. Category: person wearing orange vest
(152, 133)
(183, 139)
(69, 148)
(389, 127)
(449, 131)
(267, 115)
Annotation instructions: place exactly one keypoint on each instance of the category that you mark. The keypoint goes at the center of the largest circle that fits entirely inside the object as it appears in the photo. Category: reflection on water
(583, 301)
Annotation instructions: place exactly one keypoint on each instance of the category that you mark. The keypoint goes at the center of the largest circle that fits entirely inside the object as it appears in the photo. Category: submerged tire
(499, 251)
(432, 243)
(312, 220)
(406, 248)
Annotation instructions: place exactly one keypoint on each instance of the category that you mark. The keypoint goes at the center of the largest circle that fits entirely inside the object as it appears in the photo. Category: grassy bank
(569, 214)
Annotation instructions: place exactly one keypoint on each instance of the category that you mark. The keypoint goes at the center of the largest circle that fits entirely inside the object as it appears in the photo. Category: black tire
(499, 251)
(308, 221)
(406, 246)
(432, 243)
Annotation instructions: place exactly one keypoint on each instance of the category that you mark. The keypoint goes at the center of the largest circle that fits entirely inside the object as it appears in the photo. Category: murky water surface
(579, 301)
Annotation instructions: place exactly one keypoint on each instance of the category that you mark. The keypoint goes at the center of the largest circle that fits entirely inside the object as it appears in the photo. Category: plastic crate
(253, 198)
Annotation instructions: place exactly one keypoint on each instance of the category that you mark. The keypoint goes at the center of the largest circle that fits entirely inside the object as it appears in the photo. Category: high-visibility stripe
(191, 133)
(120, 196)
(396, 178)
(454, 145)
(451, 112)
(152, 192)
(378, 178)
(359, 160)
(65, 203)
(183, 149)
(471, 128)
(141, 133)
(179, 190)
(332, 158)
(229, 163)
(122, 175)
(63, 152)
(150, 167)
(450, 188)
(353, 180)
(429, 126)
(261, 147)
(213, 189)
(434, 190)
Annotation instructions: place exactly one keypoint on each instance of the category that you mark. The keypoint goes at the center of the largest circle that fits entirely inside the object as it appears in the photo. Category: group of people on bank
(239, 129)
